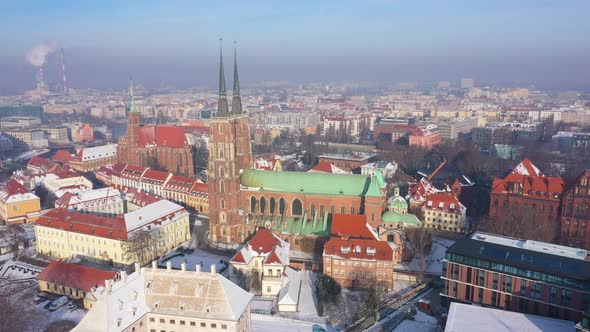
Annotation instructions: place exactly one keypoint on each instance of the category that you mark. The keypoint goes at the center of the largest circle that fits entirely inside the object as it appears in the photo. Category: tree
(141, 247)
(15, 237)
(421, 243)
(521, 222)
(328, 292)
(254, 281)
(161, 119)
(374, 292)
(14, 316)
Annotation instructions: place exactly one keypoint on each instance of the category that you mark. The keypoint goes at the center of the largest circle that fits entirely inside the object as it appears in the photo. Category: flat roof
(547, 248)
(465, 317)
(352, 156)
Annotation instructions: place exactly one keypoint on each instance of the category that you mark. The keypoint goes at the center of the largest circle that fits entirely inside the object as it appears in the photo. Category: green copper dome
(398, 203)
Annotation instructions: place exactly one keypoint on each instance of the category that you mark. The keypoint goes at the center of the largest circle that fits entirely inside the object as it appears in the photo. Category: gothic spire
(236, 105)
(222, 108)
(132, 108)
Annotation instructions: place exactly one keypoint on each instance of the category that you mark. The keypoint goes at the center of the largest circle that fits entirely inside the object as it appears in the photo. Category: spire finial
(132, 104)
(222, 108)
(222, 91)
(236, 105)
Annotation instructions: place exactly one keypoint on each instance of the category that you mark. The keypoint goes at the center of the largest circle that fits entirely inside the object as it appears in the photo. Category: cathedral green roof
(407, 219)
(305, 225)
(310, 183)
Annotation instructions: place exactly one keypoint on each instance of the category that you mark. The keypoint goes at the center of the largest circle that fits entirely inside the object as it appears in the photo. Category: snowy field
(193, 258)
(421, 323)
(433, 260)
(265, 323)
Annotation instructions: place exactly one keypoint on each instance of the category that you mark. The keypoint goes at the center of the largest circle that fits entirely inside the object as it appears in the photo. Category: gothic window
(342, 209)
(582, 210)
(262, 205)
(253, 204)
(221, 172)
(281, 205)
(221, 156)
(221, 129)
(312, 209)
(296, 207)
(272, 205)
(222, 187)
(222, 204)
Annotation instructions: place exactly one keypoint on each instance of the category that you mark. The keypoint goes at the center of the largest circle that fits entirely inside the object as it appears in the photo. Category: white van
(58, 303)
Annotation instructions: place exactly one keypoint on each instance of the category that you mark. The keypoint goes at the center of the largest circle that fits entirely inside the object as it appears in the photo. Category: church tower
(228, 155)
(133, 118)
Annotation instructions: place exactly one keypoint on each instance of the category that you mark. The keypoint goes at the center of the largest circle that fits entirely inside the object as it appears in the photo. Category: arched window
(281, 205)
(262, 205)
(221, 187)
(272, 205)
(222, 204)
(312, 209)
(253, 204)
(296, 207)
(221, 172)
(582, 210)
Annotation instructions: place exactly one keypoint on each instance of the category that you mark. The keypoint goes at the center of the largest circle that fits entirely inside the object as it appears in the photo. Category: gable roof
(548, 188)
(13, 190)
(111, 228)
(444, 202)
(526, 167)
(370, 249)
(62, 156)
(351, 225)
(161, 136)
(326, 167)
(74, 276)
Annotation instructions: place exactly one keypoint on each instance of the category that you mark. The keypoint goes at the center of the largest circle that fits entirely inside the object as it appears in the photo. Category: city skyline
(528, 42)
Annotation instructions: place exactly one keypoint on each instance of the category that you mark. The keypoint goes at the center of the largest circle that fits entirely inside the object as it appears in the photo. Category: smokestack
(40, 83)
(63, 71)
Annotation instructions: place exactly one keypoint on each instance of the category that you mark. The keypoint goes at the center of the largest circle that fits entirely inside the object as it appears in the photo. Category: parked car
(58, 303)
(39, 300)
(48, 304)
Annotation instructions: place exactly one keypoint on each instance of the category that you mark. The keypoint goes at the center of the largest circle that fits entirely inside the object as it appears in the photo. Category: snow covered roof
(289, 294)
(526, 167)
(150, 213)
(81, 197)
(264, 244)
(326, 167)
(13, 191)
(464, 317)
(97, 152)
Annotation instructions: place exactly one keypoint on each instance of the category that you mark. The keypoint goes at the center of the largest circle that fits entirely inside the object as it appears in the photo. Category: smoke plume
(36, 56)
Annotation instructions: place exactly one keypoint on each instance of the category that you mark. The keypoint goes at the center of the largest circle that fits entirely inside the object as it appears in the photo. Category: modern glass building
(22, 111)
(518, 275)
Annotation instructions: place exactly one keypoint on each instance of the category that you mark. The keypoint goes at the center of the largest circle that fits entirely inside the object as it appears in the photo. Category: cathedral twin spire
(132, 108)
(222, 106)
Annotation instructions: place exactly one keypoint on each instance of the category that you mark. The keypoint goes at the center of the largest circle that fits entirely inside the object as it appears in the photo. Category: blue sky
(175, 42)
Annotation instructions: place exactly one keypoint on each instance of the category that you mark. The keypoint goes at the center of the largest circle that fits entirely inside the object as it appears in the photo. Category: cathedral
(297, 206)
(161, 147)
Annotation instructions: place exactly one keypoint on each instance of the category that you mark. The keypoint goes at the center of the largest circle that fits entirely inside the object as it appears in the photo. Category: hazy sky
(176, 42)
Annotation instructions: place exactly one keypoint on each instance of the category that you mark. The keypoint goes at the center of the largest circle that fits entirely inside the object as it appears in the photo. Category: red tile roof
(351, 225)
(541, 186)
(62, 156)
(152, 174)
(238, 258)
(264, 241)
(13, 187)
(443, 202)
(42, 164)
(323, 166)
(526, 167)
(178, 182)
(433, 174)
(347, 248)
(74, 276)
(200, 187)
(273, 258)
(112, 228)
(162, 136)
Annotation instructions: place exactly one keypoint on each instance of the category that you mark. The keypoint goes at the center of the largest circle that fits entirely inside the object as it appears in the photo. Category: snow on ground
(18, 270)
(44, 317)
(192, 258)
(265, 323)
(433, 260)
(422, 322)
(308, 301)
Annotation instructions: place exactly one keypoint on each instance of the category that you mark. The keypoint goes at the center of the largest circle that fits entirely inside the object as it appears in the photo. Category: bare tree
(521, 222)
(420, 242)
(374, 292)
(141, 247)
(328, 292)
(254, 281)
(13, 313)
(15, 238)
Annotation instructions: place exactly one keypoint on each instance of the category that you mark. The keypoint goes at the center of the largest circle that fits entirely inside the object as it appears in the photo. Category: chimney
(213, 269)
(168, 266)
(137, 267)
(198, 269)
(124, 276)
(183, 267)
(154, 265)
(108, 285)
(63, 71)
